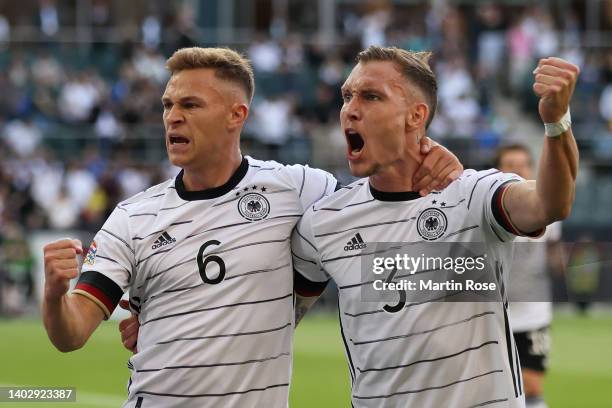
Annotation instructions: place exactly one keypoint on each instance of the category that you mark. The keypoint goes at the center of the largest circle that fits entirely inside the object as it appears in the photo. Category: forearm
(302, 305)
(556, 180)
(70, 320)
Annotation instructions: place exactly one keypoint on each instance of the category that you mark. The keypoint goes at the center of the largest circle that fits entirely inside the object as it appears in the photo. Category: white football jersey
(210, 275)
(424, 354)
(529, 270)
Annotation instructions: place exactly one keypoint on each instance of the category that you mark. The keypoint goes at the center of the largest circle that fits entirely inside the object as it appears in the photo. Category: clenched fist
(61, 265)
(555, 80)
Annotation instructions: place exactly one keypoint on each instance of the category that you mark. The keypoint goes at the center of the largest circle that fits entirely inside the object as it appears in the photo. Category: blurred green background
(580, 366)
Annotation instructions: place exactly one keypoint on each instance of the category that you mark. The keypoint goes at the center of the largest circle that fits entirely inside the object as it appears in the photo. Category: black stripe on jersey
(118, 238)
(403, 336)
(302, 259)
(160, 231)
(141, 214)
(510, 354)
(342, 208)
(407, 305)
(261, 360)
(144, 198)
(121, 208)
(217, 307)
(482, 404)
(476, 184)
(148, 278)
(175, 207)
(250, 244)
(262, 168)
(297, 230)
(303, 180)
(237, 224)
(212, 395)
(153, 254)
(350, 187)
(365, 226)
(225, 335)
(382, 251)
(305, 287)
(324, 189)
(429, 388)
(454, 205)
(462, 230)
(430, 360)
(139, 402)
(346, 347)
(115, 262)
(202, 284)
(519, 373)
(257, 271)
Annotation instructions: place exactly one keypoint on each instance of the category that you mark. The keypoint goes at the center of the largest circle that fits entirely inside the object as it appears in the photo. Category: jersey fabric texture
(529, 268)
(209, 273)
(428, 354)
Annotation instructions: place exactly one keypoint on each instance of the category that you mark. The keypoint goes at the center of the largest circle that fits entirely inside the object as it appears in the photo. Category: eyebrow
(364, 90)
(184, 99)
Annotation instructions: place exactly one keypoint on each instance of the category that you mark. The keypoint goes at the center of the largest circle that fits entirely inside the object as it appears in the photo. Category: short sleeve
(309, 277)
(108, 263)
(311, 184)
(487, 197)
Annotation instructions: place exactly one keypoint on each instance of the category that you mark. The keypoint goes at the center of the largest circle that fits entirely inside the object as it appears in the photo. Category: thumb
(78, 245)
(425, 145)
(125, 305)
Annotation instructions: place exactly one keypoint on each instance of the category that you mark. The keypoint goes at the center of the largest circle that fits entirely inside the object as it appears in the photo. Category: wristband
(557, 128)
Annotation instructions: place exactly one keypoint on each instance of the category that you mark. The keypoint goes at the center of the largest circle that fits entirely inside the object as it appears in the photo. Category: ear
(417, 116)
(238, 115)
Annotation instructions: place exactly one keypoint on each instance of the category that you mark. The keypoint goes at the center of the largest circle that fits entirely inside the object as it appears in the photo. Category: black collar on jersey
(394, 196)
(215, 191)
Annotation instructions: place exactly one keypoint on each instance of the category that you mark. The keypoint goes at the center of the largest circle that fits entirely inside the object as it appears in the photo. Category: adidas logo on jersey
(163, 240)
(355, 243)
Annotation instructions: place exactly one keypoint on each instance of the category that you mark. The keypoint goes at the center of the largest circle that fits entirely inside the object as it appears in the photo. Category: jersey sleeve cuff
(100, 289)
(503, 218)
(305, 287)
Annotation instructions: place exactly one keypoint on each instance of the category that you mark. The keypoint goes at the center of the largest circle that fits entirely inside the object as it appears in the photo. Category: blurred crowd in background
(80, 113)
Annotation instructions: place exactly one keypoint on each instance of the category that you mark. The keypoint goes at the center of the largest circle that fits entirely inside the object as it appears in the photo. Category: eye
(372, 97)
(167, 105)
(189, 105)
(346, 96)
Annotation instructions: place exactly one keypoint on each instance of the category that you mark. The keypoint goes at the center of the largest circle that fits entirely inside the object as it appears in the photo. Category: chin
(362, 169)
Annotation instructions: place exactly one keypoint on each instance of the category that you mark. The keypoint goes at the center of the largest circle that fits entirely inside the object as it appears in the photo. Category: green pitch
(580, 375)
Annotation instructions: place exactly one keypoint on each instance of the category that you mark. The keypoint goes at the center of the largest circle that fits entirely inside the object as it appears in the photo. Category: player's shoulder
(343, 197)
(471, 179)
(294, 174)
(151, 195)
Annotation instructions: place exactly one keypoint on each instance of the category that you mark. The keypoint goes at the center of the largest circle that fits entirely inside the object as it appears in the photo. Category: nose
(174, 116)
(351, 111)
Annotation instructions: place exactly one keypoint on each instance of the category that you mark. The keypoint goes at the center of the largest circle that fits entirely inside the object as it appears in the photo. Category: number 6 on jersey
(202, 263)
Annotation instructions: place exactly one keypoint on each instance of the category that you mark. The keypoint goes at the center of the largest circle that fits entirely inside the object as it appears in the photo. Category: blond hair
(227, 63)
(414, 66)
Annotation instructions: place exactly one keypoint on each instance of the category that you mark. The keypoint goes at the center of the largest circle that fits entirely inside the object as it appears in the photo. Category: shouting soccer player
(205, 256)
(428, 354)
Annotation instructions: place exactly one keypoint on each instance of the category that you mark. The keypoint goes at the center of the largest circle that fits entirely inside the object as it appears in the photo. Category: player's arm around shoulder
(309, 279)
(69, 319)
(532, 205)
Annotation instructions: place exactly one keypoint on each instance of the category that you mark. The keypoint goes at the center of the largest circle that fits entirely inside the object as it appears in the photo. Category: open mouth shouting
(177, 143)
(355, 143)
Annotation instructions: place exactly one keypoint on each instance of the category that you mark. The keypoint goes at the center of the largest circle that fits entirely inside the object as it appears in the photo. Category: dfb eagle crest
(431, 224)
(254, 206)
